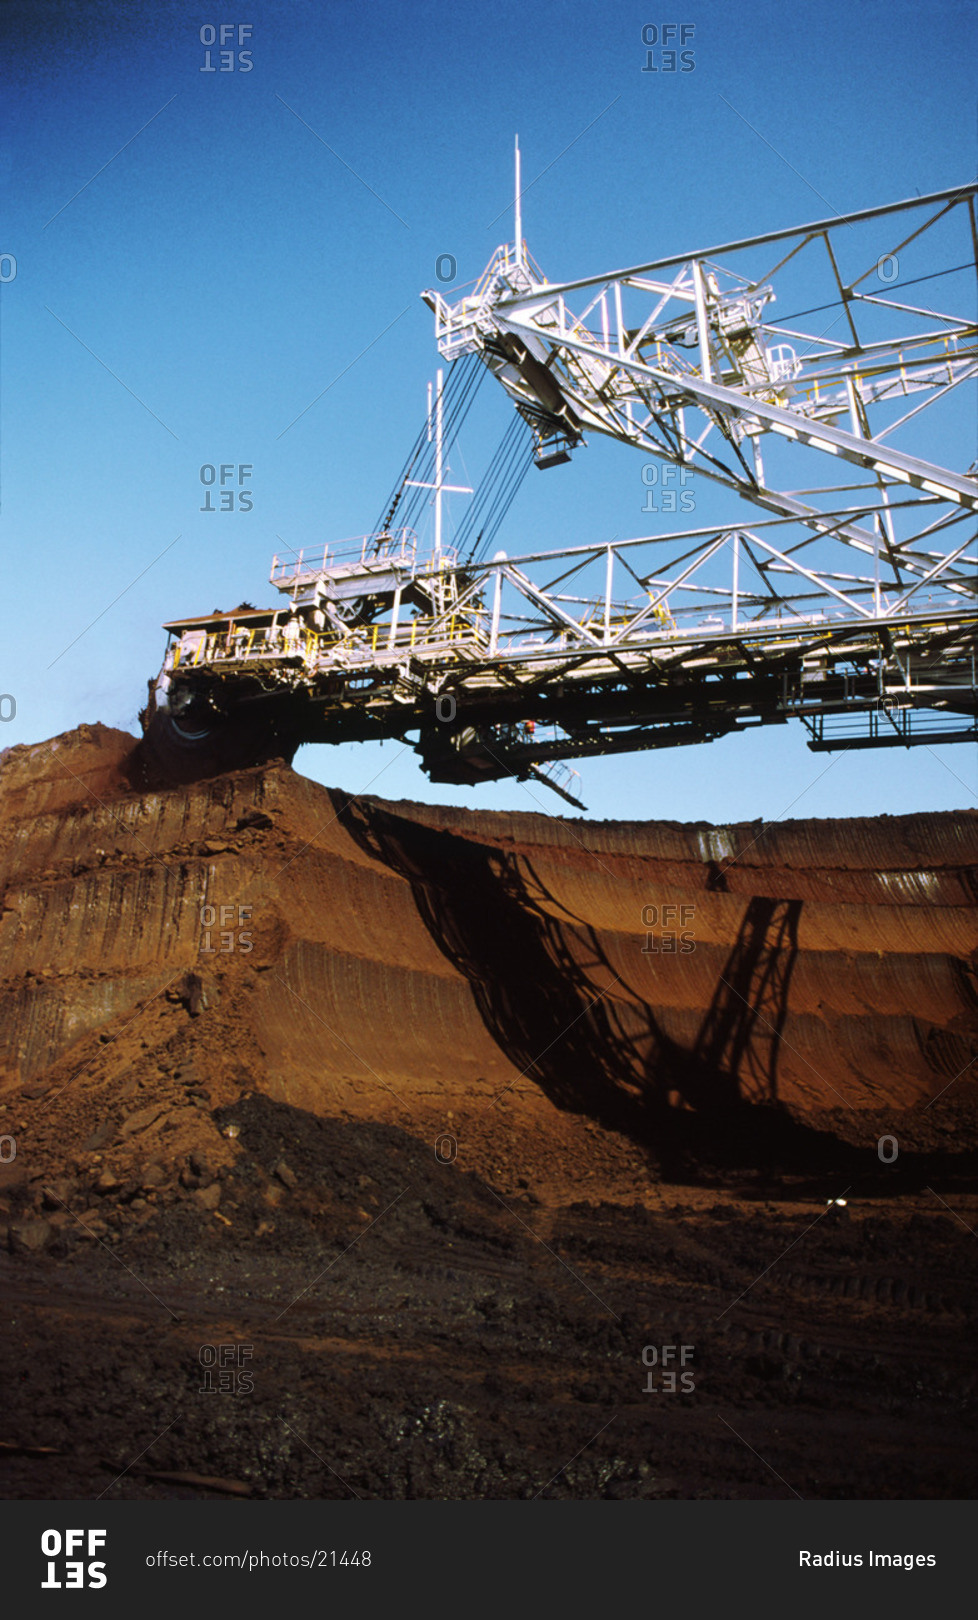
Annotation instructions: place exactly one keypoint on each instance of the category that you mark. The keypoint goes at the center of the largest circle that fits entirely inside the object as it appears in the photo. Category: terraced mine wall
(405, 962)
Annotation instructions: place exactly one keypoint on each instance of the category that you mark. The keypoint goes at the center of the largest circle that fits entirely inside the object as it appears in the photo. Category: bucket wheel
(188, 738)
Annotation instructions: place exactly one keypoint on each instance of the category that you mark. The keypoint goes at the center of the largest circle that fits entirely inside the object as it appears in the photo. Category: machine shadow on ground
(554, 1004)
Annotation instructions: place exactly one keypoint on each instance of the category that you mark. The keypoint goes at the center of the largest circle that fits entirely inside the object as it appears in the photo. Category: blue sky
(225, 267)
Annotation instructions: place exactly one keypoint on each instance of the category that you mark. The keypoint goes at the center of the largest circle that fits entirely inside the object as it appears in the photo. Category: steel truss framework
(687, 367)
(852, 606)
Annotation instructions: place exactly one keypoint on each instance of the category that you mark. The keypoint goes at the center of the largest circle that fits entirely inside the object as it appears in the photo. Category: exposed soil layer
(446, 1121)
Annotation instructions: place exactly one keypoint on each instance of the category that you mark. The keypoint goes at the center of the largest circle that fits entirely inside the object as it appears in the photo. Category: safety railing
(460, 327)
(375, 640)
(284, 641)
(218, 646)
(659, 619)
(386, 546)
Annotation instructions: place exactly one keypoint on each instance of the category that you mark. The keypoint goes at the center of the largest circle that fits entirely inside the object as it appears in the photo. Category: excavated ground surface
(442, 1123)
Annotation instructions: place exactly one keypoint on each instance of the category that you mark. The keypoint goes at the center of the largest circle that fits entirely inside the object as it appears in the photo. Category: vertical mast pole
(735, 598)
(518, 208)
(608, 574)
(439, 445)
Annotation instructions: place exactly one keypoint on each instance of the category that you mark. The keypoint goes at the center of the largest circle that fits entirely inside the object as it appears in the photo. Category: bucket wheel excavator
(841, 591)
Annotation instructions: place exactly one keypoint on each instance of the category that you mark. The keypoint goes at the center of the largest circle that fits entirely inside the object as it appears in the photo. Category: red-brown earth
(445, 1120)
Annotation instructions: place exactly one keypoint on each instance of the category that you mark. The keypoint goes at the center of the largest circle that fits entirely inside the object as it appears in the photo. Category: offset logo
(230, 34)
(227, 471)
(665, 37)
(670, 940)
(661, 1375)
(225, 1369)
(230, 919)
(70, 1559)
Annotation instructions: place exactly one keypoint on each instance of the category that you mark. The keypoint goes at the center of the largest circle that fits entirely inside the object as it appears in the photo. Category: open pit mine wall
(386, 954)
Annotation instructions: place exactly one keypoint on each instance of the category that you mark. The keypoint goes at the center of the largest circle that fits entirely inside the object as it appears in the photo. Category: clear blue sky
(228, 267)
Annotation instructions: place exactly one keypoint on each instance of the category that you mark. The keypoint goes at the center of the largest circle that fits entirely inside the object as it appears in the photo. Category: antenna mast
(439, 486)
(518, 207)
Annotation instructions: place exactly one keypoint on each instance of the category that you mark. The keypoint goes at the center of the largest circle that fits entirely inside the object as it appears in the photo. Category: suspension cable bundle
(496, 492)
(500, 483)
(405, 502)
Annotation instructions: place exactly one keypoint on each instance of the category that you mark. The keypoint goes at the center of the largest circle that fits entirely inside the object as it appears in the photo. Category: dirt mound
(88, 763)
